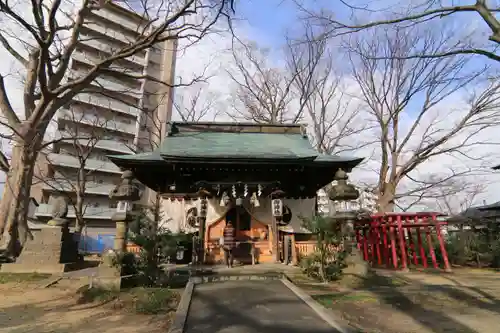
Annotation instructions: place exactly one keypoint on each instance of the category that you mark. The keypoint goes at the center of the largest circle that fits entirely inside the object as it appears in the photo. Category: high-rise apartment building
(367, 201)
(120, 113)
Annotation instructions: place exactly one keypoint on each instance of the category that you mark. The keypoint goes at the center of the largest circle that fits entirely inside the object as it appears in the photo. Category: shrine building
(232, 172)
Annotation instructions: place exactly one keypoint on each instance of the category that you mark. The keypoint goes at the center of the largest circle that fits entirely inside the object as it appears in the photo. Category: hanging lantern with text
(277, 207)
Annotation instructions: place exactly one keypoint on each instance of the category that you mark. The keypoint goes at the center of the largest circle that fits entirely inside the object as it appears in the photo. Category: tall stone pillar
(125, 193)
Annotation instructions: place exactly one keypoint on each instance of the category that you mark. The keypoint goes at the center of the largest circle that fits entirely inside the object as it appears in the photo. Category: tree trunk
(80, 193)
(15, 204)
(385, 201)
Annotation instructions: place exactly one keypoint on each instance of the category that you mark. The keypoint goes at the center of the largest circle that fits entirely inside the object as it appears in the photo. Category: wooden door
(242, 223)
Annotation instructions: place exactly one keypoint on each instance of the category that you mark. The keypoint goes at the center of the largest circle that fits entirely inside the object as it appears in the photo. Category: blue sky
(270, 17)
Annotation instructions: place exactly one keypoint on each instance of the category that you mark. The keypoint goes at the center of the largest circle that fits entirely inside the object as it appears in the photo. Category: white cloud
(212, 55)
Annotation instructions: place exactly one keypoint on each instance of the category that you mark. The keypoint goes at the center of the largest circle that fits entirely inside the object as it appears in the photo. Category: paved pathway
(242, 306)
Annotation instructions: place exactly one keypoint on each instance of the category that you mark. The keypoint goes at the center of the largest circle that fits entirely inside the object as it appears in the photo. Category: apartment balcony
(96, 121)
(111, 145)
(90, 59)
(91, 164)
(109, 85)
(100, 45)
(111, 33)
(100, 213)
(64, 185)
(107, 103)
(121, 20)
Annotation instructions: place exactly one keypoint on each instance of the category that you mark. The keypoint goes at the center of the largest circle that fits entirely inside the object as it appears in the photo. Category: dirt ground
(466, 301)
(27, 308)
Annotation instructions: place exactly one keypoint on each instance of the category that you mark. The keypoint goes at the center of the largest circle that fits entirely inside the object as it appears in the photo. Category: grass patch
(328, 300)
(97, 294)
(149, 301)
(22, 277)
(154, 300)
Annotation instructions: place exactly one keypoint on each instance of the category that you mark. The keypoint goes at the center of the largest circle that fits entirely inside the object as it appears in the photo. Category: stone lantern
(125, 193)
(342, 193)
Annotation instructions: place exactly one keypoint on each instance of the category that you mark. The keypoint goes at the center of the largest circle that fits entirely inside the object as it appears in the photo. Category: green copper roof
(237, 145)
(221, 141)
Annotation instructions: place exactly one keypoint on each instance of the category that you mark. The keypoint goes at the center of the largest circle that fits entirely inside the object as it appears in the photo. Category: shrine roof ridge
(175, 127)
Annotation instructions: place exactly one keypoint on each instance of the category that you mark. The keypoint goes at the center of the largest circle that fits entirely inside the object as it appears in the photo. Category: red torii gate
(386, 238)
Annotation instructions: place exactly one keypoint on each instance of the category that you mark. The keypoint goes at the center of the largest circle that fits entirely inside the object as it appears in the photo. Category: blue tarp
(96, 243)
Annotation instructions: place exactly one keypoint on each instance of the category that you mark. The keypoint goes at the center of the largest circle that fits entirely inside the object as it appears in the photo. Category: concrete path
(266, 306)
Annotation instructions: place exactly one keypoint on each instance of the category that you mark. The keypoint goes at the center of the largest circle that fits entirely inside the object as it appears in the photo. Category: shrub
(329, 259)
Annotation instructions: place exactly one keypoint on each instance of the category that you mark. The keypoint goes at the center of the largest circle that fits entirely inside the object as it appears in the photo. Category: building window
(113, 204)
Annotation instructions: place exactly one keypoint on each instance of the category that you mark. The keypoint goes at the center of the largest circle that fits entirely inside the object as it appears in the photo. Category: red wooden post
(373, 239)
(393, 243)
(365, 245)
(431, 248)
(402, 244)
(386, 245)
(412, 246)
(447, 267)
(421, 248)
(369, 242)
(377, 235)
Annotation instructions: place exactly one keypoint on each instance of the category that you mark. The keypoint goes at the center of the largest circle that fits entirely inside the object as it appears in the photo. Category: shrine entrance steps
(251, 306)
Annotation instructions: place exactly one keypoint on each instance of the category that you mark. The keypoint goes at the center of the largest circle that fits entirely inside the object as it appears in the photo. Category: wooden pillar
(386, 245)
(377, 245)
(371, 232)
(412, 246)
(402, 243)
(286, 252)
(393, 243)
(365, 244)
(358, 238)
(201, 240)
(447, 267)
(421, 248)
(431, 247)
(275, 241)
(295, 259)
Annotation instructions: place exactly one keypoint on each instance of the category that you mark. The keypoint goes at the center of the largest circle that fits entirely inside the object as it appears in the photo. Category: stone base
(52, 251)
(356, 265)
(108, 277)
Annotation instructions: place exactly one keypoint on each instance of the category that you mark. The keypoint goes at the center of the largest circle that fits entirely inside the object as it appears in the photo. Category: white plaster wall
(174, 213)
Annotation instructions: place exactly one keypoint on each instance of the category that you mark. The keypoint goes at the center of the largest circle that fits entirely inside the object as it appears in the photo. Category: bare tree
(464, 199)
(263, 93)
(83, 138)
(409, 14)
(53, 34)
(334, 118)
(194, 105)
(408, 101)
